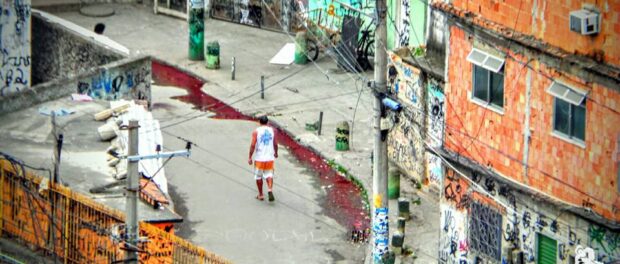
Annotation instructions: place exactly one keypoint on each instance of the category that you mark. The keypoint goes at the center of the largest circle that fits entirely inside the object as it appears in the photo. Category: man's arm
(252, 147)
(275, 146)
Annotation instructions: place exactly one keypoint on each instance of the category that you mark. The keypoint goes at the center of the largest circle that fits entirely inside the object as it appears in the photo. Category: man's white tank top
(264, 144)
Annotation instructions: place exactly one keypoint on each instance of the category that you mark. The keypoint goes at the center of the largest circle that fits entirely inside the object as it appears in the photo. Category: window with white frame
(569, 111)
(488, 77)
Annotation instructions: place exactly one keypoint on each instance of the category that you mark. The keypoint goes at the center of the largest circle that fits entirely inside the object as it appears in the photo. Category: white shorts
(259, 174)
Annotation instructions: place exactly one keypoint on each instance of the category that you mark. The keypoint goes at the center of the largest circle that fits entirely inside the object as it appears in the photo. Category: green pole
(196, 30)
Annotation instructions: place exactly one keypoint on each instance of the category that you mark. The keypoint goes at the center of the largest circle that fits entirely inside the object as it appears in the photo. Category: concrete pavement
(220, 210)
(217, 191)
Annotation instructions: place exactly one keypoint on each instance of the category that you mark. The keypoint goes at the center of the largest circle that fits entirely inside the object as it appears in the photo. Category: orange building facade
(531, 140)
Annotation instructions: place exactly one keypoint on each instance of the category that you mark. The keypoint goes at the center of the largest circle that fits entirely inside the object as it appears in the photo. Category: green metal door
(547, 250)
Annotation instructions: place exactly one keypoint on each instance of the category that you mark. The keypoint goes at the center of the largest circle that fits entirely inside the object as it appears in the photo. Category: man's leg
(259, 183)
(269, 179)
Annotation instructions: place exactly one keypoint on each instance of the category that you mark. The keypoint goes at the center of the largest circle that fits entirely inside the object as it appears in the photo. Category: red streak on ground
(343, 202)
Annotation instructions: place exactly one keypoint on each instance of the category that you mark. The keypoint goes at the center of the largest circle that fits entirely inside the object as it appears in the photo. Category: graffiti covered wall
(15, 46)
(435, 128)
(128, 79)
(58, 52)
(131, 80)
(496, 219)
(406, 139)
(453, 243)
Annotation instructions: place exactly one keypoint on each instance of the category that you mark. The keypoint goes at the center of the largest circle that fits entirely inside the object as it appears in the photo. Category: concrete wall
(59, 51)
(406, 139)
(549, 21)
(582, 175)
(436, 35)
(513, 222)
(128, 78)
(15, 47)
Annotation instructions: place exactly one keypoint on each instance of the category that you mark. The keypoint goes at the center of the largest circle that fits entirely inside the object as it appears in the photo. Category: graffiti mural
(118, 83)
(585, 255)
(516, 224)
(456, 192)
(434, 169)
(436, 121)
(435, 124)
(407, 83)
(380, 229)
(405, 145)
(405, 24)
(453, 241)
(605, 243)
(405, 142)
(15, 46)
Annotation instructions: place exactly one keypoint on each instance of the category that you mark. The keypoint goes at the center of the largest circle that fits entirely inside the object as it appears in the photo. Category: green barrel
(342, 136)
(213, 55)
(196, 30)
(393, 183)
(301, 54)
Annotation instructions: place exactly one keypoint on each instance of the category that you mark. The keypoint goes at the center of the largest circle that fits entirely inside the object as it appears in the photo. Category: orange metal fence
(57, 221)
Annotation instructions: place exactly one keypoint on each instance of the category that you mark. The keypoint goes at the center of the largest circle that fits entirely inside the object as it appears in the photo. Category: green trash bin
(342, 136)
(393, 183)
(301, 54)
(213, 55)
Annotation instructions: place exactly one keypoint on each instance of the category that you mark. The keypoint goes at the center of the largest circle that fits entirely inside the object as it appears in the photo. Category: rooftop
(608, 74)
(27, 135)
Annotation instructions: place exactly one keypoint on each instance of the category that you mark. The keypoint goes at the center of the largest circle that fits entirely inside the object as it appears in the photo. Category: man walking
(264, 151)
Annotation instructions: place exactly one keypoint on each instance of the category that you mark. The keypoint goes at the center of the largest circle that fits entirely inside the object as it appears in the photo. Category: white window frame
(576, 98)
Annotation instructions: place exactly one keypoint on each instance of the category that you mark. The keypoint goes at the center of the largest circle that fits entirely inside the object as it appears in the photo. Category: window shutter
(547, 250)
(566, 93)
(485, 60)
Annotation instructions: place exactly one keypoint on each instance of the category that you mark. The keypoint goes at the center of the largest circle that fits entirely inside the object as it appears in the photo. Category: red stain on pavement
(343, 202)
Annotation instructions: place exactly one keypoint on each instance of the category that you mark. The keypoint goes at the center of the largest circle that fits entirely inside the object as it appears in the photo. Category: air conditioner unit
(585, 22)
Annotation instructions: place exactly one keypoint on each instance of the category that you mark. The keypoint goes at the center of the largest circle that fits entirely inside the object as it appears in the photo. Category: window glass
(497, 89)
(481, 83)
(560, 119)
(579, 122)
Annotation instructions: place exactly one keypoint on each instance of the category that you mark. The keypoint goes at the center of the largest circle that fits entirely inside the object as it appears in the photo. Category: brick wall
(580, 176)
(549, 21)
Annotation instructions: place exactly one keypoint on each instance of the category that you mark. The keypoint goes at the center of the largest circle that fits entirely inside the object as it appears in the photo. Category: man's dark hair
(99, 28)
(263, 120)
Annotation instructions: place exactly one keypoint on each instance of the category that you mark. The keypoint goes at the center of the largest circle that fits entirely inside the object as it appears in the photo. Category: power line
(234, 102)
(200, 164)
(284, 28)
(486, 110)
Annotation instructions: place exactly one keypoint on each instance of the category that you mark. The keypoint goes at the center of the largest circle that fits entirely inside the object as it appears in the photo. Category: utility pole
(58, 139)
(133, 187)
(379, 168)
(131, 207)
